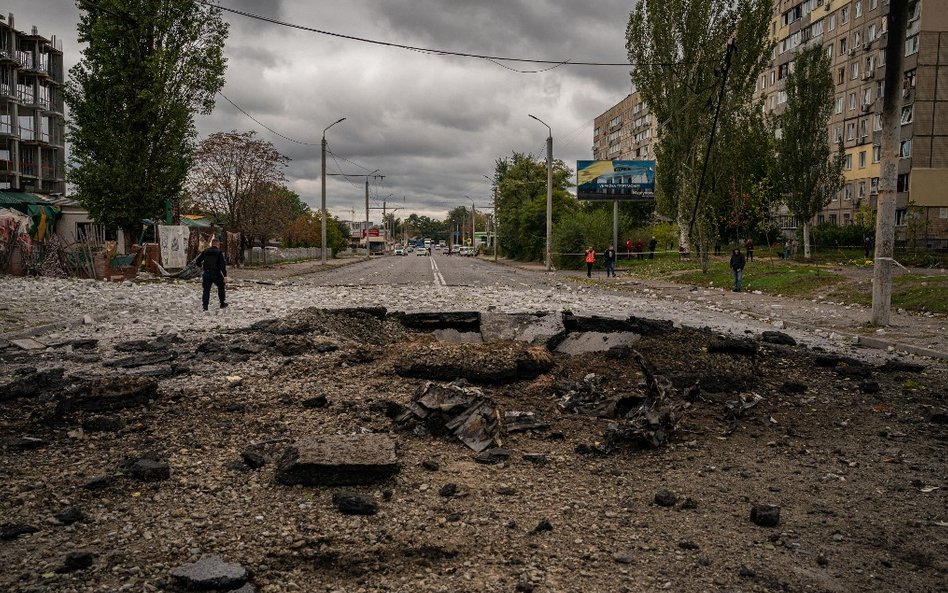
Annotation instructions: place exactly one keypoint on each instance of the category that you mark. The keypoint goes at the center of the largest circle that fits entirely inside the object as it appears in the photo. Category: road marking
(438, 278)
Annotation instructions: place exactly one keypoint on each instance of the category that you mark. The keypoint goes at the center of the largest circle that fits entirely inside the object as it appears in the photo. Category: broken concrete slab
(109, 394)
(30, 383)
(338, 460)
(210, 573)
(350, 503)
(453, 336)
(148, 359)
(586, 342)
(462, 321)
(734, 346)
(479, 363)
(28, 344)
(533, 328)
(775, 337)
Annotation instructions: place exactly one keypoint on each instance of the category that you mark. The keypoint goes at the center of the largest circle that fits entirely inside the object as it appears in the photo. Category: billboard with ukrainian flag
(615, 180)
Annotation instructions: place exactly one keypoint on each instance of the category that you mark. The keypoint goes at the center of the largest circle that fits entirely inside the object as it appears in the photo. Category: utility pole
(891, 128)
(549, 195)
(496, 233)
(615, 225)
(367, 176)
(323, 203)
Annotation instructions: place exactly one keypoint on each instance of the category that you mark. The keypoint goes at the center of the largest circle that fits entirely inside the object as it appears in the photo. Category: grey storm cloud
(434, 125)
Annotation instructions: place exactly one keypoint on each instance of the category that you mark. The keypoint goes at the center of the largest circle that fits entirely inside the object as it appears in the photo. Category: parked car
(422, 251)
(399, 250)
(456, 249)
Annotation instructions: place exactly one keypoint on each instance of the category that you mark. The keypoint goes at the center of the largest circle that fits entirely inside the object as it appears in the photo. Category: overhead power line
(265, 126)
(439, 52)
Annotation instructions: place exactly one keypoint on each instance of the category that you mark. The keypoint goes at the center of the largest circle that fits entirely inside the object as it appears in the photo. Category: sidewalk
(922, 334)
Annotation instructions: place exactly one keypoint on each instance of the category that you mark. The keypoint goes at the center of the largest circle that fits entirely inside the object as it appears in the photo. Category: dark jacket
(609, 255)
(737, 261)
(212, 260)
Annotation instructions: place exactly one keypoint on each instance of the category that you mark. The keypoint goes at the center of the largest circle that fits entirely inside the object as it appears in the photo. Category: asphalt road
(438, 270)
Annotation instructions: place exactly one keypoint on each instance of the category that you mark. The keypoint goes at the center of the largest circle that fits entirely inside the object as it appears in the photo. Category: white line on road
(438, 278)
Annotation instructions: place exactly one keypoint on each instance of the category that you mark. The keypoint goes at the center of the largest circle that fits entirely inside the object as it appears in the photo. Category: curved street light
(549, 194)
(323, 201)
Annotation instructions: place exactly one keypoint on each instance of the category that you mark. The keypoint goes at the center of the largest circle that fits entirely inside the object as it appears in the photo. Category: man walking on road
(737, 266)
(609, 256)
(214, 265)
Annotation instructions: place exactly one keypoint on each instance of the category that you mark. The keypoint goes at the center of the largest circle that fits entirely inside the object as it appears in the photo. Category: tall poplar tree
(147, 68)
(676, 48)
(807, 172)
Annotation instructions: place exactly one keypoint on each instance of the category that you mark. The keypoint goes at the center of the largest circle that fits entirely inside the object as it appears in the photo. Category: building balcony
(28, 169)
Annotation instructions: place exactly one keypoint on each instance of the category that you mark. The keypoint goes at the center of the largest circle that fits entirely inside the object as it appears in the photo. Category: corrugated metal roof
(12, 198)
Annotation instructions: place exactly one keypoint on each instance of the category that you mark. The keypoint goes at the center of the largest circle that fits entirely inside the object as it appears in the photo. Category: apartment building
(32, 127)
(625, 132)
(854, 34)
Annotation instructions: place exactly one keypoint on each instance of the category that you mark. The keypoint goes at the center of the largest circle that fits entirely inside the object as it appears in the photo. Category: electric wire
(265, 126)
(430, 51)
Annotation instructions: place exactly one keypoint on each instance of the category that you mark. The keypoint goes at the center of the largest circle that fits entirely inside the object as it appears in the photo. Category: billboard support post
(615, 224)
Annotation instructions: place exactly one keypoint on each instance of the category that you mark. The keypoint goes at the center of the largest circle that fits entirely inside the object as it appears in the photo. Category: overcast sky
(433, 125)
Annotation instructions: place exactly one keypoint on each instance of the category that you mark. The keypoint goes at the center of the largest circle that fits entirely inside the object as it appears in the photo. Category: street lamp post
(496, 233)
(549, 194)
(323, 202)
(473, 218)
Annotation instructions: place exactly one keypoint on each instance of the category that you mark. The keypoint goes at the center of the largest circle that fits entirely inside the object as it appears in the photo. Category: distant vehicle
(422, 251)
(465, 251)
(456, 249)
(399, 250)
(273, 252)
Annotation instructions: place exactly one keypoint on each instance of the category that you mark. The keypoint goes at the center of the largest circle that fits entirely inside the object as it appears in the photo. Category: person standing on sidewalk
(628, 249)
(590, 260)
(652, 244)
(737, 266)
(213, 263)
(749, 248)
(609, 256)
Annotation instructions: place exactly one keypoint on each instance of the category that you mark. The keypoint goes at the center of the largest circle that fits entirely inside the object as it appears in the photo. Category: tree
(521, 203)
(807, 174)
(676, 47)
(306, 231)
(146, 69)
(232, 175)
(265, 213)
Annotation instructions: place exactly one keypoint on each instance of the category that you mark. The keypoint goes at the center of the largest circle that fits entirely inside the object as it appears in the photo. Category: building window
(876, 154)
(878, 124)
(862, 189)
(846, 219)
(908, 82)
(873, 4)
(911, 45)
(843, 46)
(848, 191)
(839, 104)
(852, 101)
(871, 33)
(850, 130)
(837, 134)
(848, 163)
(863, 128)
(833, 219)
(900, 216)
(832, 24)
(907, 114)
(902, 183)
(862, 159)
(820, 219)
(943, 213)
(874, 185)
(841, 75)
(867, 96)
(858, 8)
(905, 149)
(854, 71)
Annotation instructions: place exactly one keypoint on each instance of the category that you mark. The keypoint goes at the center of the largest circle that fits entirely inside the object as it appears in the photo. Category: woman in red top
(590, 260)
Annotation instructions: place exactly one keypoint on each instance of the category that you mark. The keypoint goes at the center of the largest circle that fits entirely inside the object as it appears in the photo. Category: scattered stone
(70, 516)
(28, 344)
(686, 544)
(430, 465)
(543, 525)
(622, 558)
(516, 421)
(338, 460)
(689, 504)
(247, 588)
(320, 401)
(505, 491)
(736, 410)
(870, 387)
(349, 503)
(148, 469)
(665, 498)
(775, 337)
(253, 459)
(210, 573)
(939, 417)
(535, 458)
(821, 559)
(99, 482)
(746, 573)
(87, 320)
(23, 443)
(765, 515)
(79, 560)
(234, 380)
(448, 490)
(10, 531)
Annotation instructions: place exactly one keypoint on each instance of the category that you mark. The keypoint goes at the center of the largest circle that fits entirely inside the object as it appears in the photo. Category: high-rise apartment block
(854, 35)
(32, 129)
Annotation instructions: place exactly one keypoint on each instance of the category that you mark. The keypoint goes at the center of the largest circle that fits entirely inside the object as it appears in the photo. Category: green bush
(831, 235)
(574, 233)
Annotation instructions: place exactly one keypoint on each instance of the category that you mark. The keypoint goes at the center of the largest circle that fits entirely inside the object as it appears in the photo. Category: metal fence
(274, 256)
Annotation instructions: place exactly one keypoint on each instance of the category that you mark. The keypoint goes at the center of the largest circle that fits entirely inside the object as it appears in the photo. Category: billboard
(615, 180)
